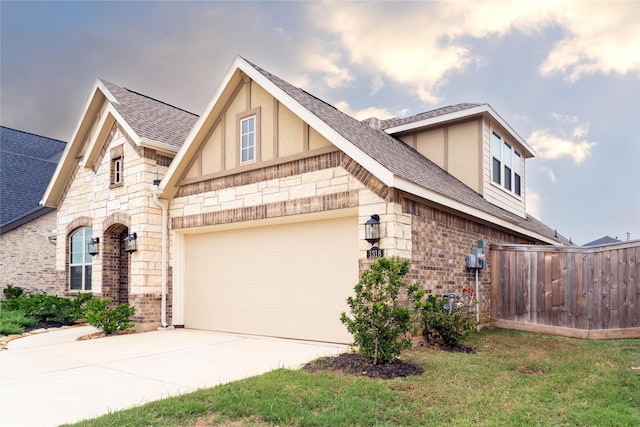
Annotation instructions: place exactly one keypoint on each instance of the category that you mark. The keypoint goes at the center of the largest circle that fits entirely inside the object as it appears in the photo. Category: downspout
(165, 210)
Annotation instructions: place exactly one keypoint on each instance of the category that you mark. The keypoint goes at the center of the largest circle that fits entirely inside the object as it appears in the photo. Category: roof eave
(422, 192)
(484, 109)
(54, 190)
(169, 183)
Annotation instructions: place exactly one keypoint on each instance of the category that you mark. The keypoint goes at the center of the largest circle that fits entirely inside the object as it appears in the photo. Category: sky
(564, 75)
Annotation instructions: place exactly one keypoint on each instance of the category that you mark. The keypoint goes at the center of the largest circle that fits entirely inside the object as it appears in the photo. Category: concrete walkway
(50, 379)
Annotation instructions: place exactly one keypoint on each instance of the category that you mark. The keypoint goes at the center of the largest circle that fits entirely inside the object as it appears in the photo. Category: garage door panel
(285, 280)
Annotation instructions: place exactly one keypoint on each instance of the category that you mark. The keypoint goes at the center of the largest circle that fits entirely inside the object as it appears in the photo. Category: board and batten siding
(583, 292)
(493, 192)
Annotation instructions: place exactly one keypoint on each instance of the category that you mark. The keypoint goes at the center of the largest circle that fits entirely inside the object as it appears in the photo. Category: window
(506, 155)
(496, 151)
(248, 139)
(80, 260)
(117, 171)
(506, 165)
(517, 166)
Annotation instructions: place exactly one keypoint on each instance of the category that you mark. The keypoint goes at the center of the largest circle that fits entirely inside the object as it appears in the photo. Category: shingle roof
(151, 118)
(389, 123)
(401, 159)
(27, 162)
(602, 241)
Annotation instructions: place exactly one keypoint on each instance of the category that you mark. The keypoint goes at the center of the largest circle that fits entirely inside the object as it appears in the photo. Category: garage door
(289, 280)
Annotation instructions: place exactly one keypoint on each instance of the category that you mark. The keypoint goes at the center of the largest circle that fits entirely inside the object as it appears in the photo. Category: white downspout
(165, 208)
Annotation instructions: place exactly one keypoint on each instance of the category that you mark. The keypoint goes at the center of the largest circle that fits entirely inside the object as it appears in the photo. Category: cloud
(550, 174)
(533, 204)
(365, 113)
(421, 45)
(550, 146)
(326, 63)
(568, 140)
(603, 37)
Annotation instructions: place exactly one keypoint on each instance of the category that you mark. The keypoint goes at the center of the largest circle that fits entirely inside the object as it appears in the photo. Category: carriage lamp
(93, 247)
(372, 229)
(130, 243)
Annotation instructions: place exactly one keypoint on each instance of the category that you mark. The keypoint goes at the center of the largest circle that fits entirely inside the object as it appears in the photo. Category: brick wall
(27, 259)
(441, 241)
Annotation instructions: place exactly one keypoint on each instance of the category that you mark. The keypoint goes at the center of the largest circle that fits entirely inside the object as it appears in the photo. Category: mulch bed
(356, 364)
(44, 325)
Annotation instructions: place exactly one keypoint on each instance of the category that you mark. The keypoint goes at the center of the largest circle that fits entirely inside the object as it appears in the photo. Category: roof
(149, 123)
(394, 122)
(606, 240)
(150, 118)
(27, 162)
(404, 161)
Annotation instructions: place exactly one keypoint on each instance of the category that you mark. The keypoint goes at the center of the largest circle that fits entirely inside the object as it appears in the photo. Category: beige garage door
(287, 281)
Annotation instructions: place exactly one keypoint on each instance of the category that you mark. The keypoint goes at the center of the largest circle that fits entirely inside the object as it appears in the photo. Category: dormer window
(506, 165)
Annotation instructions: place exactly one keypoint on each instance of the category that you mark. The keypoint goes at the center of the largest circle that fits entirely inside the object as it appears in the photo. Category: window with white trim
(117, 170)
(80, 259)
(506, 165)
(248, 139)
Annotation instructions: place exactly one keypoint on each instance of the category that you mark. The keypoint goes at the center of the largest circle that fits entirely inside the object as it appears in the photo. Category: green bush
(49, 308)
(14, 322)
(381, 326)
(438, 323)
(11, 291)
(108, 320)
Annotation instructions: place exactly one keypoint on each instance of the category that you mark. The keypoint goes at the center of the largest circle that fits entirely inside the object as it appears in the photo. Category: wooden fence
(585, 292)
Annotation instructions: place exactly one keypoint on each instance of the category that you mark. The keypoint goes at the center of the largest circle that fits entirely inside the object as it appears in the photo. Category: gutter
(165, 208)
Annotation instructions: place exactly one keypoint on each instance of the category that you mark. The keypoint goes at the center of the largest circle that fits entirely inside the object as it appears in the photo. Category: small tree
(380, 324)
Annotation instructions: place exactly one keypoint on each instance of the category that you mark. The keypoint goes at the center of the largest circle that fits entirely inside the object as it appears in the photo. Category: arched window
(80, 260)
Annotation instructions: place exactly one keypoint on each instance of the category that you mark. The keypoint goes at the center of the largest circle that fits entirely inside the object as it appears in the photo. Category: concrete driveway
(50, 379)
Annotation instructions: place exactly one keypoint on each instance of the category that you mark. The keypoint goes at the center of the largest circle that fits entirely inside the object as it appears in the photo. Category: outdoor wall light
(93, 246)
(130, 243)
(372, 229)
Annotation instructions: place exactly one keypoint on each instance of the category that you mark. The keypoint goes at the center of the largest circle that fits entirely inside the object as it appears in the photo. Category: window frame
(252, 146)
(85, 262)
(117, 171)
(505, 174)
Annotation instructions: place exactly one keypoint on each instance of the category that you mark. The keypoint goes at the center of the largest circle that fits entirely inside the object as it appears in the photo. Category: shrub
(11, 292)
(438, 323)
(381, 326)
(14, 322)
(49, 308)
(108, 320)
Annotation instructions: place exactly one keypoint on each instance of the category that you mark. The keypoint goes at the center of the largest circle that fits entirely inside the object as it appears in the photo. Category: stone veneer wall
(27, 259)
(89, 194)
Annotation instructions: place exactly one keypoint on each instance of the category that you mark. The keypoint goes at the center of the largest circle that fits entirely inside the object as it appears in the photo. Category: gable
(280, 135)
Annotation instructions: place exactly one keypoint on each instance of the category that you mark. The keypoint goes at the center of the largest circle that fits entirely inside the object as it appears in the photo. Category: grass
(516, 378)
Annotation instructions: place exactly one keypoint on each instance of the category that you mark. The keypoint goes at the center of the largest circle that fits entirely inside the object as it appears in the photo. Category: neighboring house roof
(603, 241)
(27, 162)
(147, 121)
(393, 162)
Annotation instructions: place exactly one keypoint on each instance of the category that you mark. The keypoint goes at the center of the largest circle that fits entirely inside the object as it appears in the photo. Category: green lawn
(515, 379)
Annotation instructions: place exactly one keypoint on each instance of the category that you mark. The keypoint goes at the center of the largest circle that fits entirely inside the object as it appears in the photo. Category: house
(27, 162)
(250, 218)
(606, 240)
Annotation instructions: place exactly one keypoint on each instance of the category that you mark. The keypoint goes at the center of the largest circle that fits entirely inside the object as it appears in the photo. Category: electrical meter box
(471, 261)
